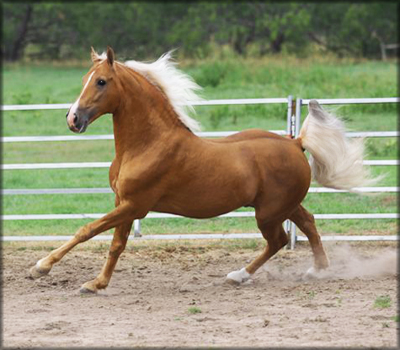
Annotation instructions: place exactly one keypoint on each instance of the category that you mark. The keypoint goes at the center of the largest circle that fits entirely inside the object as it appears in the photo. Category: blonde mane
(177, 86)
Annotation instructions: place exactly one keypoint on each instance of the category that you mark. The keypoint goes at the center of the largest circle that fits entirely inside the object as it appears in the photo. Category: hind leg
(276, 239)
(306, 223)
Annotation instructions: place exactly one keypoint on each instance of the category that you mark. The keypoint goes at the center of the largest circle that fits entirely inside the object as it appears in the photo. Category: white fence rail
(107, 190)
(347, 101)
(247, 101)
(333, 101)
(9, 139)
(30, 166)
(293, 126)
(239, 214)
(193, 236)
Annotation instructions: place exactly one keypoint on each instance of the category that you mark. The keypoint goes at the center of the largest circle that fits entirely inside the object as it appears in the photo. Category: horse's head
(100, 93)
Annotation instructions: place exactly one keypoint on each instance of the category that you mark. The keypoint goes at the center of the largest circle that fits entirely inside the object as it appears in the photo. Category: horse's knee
(83, 234)
(274, 234)
(278, 242)
(309, 218)
(306, 216)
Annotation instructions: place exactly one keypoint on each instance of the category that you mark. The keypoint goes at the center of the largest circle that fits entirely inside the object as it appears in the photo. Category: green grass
(194, 310)
(383, 302)
(239, 78)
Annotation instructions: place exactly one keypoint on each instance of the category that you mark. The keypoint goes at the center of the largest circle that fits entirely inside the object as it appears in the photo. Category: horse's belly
(205, 199)
(199, 210)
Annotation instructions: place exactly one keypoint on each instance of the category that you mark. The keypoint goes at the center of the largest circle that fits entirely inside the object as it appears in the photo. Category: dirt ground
(174, 296)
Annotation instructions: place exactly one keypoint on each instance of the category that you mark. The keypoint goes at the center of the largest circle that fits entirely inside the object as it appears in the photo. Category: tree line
(61, 30)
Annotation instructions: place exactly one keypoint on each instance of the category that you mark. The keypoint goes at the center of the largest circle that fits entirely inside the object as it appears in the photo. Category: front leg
(118, 244)
(125, 213)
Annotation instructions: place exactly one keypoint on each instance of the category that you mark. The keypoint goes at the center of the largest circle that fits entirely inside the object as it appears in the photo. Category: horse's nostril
(75, 118)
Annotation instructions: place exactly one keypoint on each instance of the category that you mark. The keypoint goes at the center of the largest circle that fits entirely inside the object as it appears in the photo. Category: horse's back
(274, 149)
(250, 134)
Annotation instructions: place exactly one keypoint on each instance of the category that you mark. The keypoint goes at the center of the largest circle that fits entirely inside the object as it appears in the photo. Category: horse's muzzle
(80, 121)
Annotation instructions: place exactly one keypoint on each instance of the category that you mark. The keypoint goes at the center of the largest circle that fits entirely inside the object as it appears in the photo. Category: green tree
(63, 30)
(354, 29)
(17, 18)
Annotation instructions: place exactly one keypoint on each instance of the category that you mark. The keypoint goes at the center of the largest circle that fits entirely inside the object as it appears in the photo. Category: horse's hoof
(313, 273)
(237, 277)
(88, 288)
(231, 282)
(37, 272)
(85, 290)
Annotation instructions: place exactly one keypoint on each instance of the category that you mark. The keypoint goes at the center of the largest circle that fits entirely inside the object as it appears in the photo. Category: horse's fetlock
(45, 264)
(41, 268)
(322, 262)
(101, 283)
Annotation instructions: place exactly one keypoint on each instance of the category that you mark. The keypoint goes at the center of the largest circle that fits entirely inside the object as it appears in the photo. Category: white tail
(336, 161)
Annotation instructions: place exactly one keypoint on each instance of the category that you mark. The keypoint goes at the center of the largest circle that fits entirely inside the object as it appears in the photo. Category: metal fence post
(136, 228)
(296, 130)
(289, 113)
(299, 103)
(290, 128)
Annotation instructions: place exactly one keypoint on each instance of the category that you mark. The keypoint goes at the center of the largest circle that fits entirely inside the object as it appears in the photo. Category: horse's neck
(144, 122)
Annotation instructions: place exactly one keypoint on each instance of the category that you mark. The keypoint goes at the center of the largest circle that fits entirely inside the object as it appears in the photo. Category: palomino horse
(161, 165)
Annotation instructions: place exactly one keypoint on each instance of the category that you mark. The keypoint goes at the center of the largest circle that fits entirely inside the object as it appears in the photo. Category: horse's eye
(101, 82)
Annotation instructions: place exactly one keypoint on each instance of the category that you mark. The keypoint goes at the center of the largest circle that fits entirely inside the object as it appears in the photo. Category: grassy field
(230, 78)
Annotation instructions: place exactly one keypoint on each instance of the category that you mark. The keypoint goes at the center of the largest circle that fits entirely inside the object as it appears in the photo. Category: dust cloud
(346, 262)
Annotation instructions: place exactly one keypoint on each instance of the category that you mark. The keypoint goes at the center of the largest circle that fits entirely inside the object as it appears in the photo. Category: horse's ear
(94, 55)
(110, 56)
